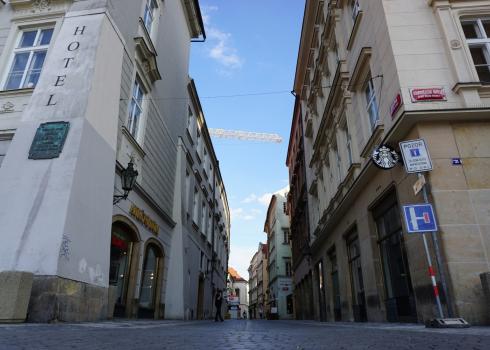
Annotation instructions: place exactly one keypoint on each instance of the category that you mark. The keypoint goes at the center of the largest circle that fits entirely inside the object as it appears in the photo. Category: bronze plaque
(49, 140)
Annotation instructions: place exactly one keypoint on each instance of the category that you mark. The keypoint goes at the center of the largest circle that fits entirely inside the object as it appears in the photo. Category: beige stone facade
(378, 72)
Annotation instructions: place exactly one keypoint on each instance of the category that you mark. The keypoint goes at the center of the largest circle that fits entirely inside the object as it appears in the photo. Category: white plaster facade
(58, 222)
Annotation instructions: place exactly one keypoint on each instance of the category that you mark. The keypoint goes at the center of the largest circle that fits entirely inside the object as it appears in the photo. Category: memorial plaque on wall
(49, 140)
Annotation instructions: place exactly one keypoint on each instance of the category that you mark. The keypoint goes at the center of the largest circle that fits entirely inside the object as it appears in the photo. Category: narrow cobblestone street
(121, 335)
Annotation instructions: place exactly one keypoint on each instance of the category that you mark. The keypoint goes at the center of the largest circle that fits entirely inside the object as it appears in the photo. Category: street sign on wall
(420, 218)
(428, 94)
(415, 156)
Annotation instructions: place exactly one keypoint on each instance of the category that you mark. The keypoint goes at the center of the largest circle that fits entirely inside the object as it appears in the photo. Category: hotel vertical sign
(50, 137)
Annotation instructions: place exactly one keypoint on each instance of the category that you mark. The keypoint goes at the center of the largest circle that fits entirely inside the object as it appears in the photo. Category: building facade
(258, 283)
(279, 266)
(297, 203)
(85, 91)
(237, 295)
(373, 73)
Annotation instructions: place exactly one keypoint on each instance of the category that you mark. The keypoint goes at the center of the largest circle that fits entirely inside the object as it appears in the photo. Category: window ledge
(16, 92)
(463, 86)
(194, 226)
(133, 142)
(189, 136)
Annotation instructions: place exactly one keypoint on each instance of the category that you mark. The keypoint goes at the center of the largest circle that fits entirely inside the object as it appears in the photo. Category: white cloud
(242, 214)
(265, 198)
(221, 50)
(240, 257)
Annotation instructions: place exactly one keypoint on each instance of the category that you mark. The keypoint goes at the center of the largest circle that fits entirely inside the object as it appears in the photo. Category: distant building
(280, 288)
(258, 283)
(299, 221)
(237, 295)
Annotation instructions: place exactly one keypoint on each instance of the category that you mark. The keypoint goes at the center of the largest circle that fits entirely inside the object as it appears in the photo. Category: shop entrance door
(200, 299)
(400, 301)
(121, 251)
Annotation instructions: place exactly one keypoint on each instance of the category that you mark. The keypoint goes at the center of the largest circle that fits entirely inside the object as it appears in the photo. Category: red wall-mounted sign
(396, 104)
(428, 94)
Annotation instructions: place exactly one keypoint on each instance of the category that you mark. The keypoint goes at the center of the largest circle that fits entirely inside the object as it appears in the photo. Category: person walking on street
(218, 300)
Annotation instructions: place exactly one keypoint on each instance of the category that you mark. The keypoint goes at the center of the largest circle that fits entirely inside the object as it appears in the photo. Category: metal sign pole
(433, 278)
(439, 264)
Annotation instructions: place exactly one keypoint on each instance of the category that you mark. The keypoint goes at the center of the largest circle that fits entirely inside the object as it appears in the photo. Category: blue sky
(251, 47)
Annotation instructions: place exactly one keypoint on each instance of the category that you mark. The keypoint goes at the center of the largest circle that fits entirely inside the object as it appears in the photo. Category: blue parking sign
(420, 218)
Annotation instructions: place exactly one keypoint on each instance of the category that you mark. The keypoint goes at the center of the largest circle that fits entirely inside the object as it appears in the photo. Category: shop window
(28, 58)
(136, 108)
(149, 282)
(371, 103)
(356, 278)
(477, 33)
(321, 290)
(334, 275)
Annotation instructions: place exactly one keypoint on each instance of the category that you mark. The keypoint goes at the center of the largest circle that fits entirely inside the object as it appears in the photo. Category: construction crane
(245, 135)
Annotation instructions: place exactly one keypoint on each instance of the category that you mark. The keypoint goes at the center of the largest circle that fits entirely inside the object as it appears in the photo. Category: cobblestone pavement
(238, 334)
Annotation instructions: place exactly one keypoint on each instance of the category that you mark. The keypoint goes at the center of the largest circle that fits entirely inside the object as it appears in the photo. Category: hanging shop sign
(428, 94)
(396, 104)
(415, 156)
(141, 216)
(385, 157)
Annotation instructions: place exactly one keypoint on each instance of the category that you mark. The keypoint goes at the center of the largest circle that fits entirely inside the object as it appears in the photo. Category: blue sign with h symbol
(420, 218)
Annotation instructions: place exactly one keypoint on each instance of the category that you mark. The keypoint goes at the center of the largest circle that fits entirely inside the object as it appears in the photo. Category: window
(187, 190)
(348, 144)
(195, 206)
(29, 56)
(4, 145)
(338, 161)
(204, 216)
(136, 108)
(288, 268)
(355, 8)
(286, 237)
(477, 33)
(372, 106)
(149, 16)
(189, 119)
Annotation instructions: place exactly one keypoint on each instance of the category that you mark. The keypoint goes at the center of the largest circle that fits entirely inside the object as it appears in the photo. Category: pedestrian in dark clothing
(218, 300)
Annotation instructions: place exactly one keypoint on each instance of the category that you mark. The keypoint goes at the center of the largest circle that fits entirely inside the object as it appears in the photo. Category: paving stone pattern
(237, 334)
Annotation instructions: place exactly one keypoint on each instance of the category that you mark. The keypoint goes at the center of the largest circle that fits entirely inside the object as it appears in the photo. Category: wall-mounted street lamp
(128, 179)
